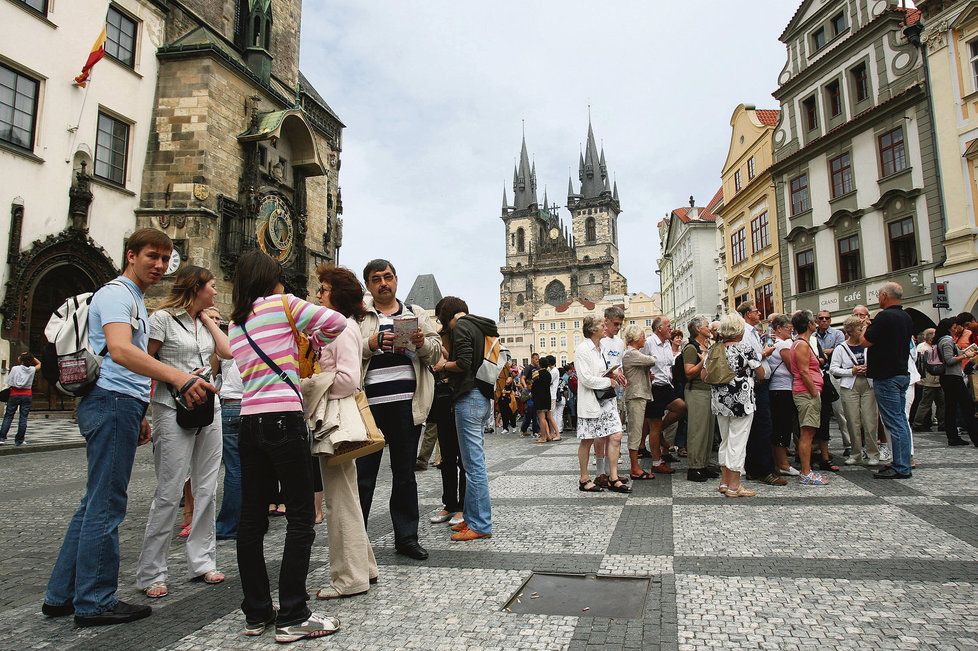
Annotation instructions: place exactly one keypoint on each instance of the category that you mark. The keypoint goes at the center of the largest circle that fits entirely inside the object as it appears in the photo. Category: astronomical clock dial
(175, 260)
(275, 228)
(554, 233)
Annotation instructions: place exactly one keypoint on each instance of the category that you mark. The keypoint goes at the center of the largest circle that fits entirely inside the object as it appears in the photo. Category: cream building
(557, 329)
(72, 157)
(858, 200)
(951, 36)
(746, 221)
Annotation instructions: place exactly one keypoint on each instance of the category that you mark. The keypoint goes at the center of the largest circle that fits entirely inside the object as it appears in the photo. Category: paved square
(858, 564)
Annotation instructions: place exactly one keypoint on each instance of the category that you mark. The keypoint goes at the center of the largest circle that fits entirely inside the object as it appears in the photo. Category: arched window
(520, 240)
(589, 232)
(519, 299)
(590, 278)
(268, 32)
(256, 33)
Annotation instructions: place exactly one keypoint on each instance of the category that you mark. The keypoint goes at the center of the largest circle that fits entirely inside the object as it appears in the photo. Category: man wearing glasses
(828, 337)
(400, 388)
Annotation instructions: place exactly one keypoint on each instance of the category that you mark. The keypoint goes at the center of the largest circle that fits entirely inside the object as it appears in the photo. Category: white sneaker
(872, 461)
(504, 431)
(851, 460)
(316, 626)
(885, 454)
(790, 472)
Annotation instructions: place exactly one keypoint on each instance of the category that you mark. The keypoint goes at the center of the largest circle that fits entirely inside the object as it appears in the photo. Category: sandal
(185, 532)
(211, 577)
(643, 476)
(582, 486)
(828, 466)
(157, 586)
(618, 486)
(722, 488)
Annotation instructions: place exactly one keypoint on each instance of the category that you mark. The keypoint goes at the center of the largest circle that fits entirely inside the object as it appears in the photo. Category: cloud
(433, 94)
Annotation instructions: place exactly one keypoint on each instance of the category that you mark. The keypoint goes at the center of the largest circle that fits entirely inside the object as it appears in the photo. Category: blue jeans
(13, 403)
(891, 398)
(530, 418)
(87, 570)
(227, 519)
(470, 414)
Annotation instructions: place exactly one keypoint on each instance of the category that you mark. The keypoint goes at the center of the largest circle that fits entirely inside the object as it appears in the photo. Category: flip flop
(155, 586)
(642, 477)
(211, 577)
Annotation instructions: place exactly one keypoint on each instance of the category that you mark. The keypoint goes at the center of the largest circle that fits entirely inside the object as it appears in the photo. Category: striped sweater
(268, 325)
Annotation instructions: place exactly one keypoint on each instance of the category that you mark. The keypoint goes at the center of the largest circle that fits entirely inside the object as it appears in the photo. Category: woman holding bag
(184, 333)
(273, 442)
(352, 567)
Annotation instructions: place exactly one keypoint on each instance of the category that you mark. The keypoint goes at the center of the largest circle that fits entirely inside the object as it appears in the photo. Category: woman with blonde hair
(858, 400)
(638, 392)
(184, 333)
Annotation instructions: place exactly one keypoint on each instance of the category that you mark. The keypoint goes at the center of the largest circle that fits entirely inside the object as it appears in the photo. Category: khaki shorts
(636, 418)
(809, 410)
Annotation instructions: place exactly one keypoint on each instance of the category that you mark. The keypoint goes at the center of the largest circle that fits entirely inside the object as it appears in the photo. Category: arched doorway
(51, 290)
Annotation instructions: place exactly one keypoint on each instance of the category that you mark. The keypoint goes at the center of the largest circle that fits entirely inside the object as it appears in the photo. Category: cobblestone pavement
(58, 432)
(860, 564)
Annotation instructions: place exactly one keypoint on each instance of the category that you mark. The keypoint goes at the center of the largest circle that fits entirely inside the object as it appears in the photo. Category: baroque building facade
(72, 156)
(244, 152)
(951, 39)
(858, 200)
(746, 221)
(548, 263)
(691, 262)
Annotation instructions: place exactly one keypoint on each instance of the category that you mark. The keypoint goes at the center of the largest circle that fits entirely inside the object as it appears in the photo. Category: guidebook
(404, 327)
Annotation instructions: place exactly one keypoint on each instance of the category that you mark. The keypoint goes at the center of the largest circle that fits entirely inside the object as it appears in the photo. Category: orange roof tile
(768, 117)
(705, 214)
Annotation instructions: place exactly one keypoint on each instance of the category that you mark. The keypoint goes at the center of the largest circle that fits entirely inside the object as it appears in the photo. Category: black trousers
(509, 416)
(760, 459)
(958, 405)
(397, 423)
(452, 471)
(275, 447)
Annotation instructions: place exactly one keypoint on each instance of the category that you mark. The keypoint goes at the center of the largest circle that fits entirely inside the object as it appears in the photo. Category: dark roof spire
(524, 184)
(505, 202)
(594, 170)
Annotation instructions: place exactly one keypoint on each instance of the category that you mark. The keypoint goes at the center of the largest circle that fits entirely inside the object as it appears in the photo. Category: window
(860, 82)
(553, 342)
(800, 200)
(543, 343)
(760, 233)
(810, 111)
(648, 323)
(737, 181)
(577, 324)
(589, 232)
(834, 93)
(849, 259)
(40, 6)
(764, 300)
(805, 268)
(563, 325)
(120, 37)
(739, 299)
(750, 169)
(893, 152)
(903, 247)
(543, 326)
(838, 24)
(738, 246)
(841, 168)
(974, 62)
(563, 341)
(18, 108)
(818, 39)
(520, 240)
(553, 325)
(111, 148)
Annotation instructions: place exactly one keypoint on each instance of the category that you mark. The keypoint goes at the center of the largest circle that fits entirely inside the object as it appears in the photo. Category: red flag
(98, 51)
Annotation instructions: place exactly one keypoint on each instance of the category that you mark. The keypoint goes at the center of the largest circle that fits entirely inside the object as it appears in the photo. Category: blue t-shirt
(114, 304)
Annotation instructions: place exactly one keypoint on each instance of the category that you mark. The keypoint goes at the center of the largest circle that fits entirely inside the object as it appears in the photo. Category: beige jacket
(427, 356)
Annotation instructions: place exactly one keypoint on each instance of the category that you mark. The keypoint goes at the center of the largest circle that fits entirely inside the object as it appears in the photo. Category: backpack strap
(276, 369)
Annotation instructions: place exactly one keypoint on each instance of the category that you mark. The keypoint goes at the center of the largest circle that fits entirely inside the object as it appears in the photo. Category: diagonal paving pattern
(859, 564)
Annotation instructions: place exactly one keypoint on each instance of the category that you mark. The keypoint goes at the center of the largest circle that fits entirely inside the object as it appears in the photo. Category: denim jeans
(275, 446)
(891, 398)
(396, 421)
(530, 418)
(227, 519)
(13, 404)
(470, 412)
(87, 570)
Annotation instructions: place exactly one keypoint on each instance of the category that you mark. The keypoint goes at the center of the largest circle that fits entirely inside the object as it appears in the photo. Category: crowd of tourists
(206, 392)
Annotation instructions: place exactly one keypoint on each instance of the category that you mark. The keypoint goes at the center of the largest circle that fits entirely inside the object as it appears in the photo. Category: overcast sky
(433, 95)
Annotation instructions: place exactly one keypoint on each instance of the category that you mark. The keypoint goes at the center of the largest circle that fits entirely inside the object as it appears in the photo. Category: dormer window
(818, 39)
(839, 24)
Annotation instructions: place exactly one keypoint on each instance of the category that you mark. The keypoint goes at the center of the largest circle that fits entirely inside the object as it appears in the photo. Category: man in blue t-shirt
(112, 419)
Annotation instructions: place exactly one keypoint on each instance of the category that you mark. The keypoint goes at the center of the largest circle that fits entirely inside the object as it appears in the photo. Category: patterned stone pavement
(861, 564)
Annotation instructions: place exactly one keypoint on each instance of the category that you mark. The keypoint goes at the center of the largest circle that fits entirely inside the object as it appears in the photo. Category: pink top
(797, 386)
(344, 357)
(264, 391)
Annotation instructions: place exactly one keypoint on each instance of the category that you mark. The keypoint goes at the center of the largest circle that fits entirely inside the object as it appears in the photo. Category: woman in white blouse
(184, 332)
(856, 390)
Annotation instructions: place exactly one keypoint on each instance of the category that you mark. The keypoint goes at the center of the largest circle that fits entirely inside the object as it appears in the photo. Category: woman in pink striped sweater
(273, 443)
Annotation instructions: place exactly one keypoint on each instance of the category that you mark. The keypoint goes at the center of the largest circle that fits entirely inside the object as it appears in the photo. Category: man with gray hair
(665, 408)
(888, 339)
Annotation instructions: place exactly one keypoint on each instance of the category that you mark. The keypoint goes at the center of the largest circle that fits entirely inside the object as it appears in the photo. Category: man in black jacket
(472, 407)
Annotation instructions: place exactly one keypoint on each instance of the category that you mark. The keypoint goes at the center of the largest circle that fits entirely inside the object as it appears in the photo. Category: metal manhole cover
(581, 595)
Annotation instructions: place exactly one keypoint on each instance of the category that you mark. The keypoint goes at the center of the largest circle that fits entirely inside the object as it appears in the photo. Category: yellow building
(557, 330)
(747, 220)
(951, 36)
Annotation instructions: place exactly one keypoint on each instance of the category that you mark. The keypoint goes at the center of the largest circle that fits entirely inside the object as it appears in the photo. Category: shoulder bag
(202, 415)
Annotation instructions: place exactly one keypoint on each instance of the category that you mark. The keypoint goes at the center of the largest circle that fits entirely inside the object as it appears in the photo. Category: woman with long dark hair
(959, 407)
(352, 567)
(184, 332)
(273, 443)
